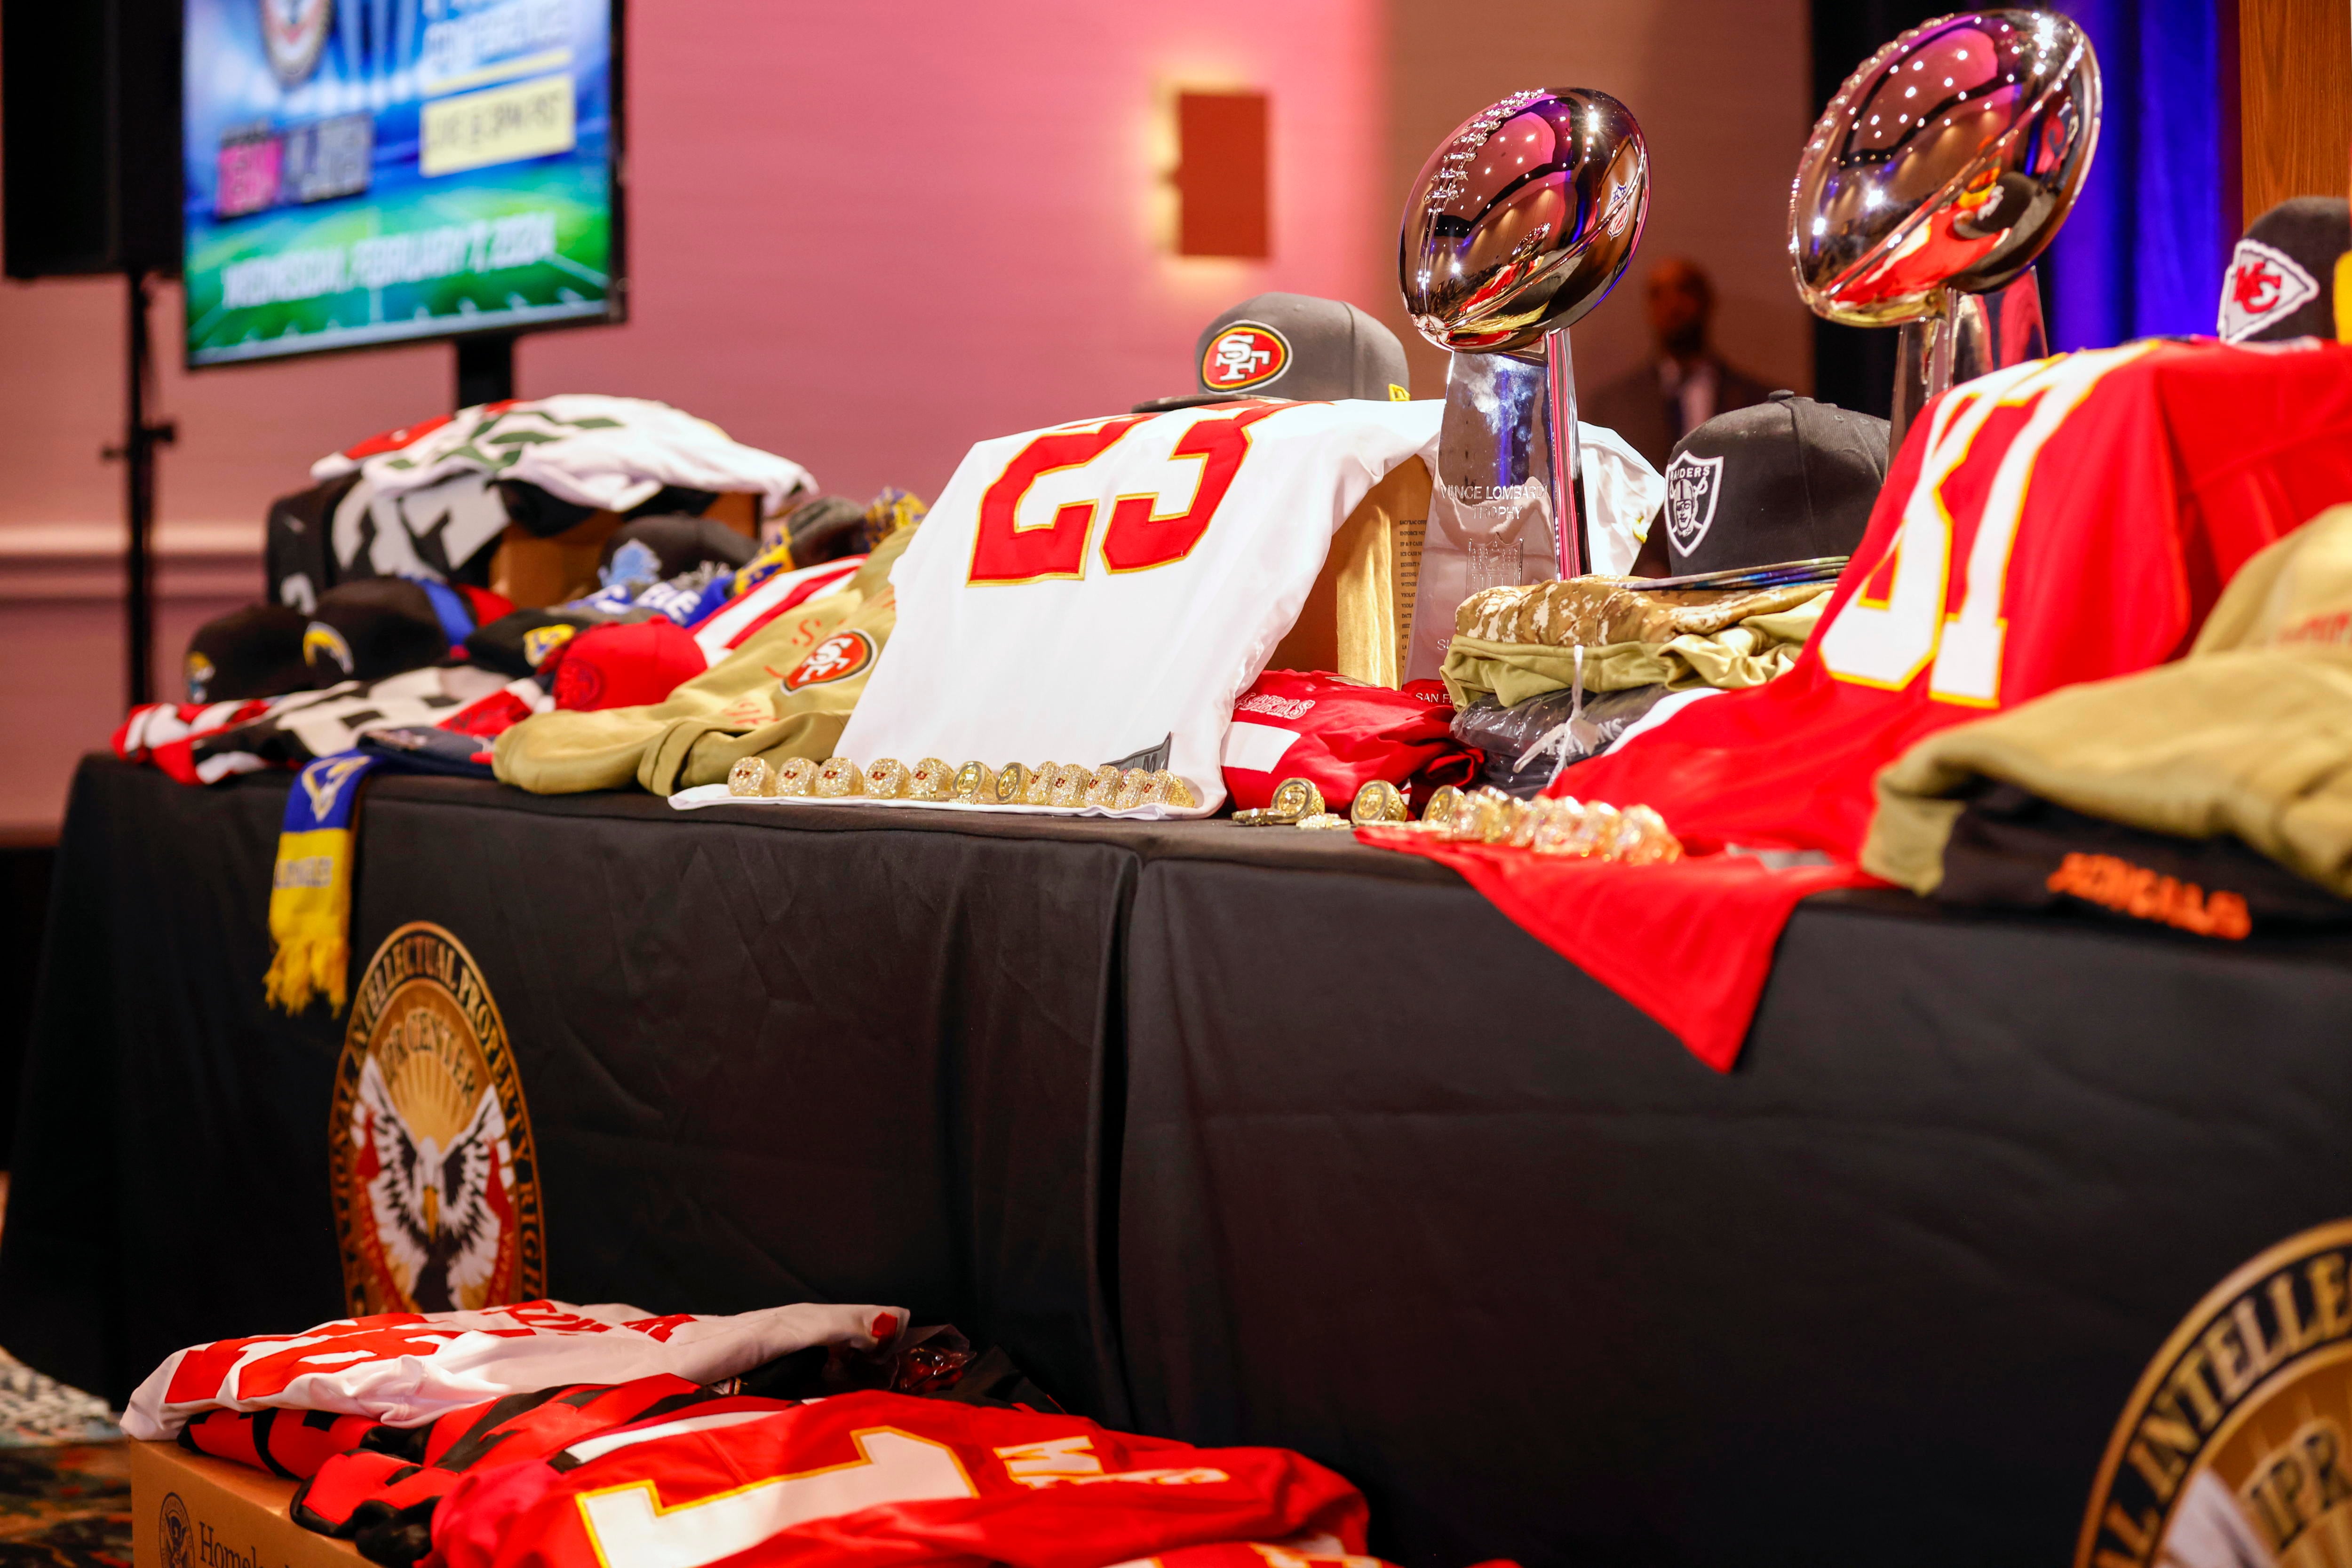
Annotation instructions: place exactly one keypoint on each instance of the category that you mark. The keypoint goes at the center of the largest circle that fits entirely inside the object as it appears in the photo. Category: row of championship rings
(1298, 803)
(1561, 826)
(1064, 784)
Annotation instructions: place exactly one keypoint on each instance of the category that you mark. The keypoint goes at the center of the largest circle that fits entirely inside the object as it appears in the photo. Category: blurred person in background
(1685, 383)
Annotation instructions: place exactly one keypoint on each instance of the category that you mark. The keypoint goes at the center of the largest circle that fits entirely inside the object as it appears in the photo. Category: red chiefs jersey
(2065, 520)
(882, 1479)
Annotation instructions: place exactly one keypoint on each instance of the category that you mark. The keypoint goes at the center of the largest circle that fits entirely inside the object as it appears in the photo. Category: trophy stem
(1567, 460)
(1969, 336)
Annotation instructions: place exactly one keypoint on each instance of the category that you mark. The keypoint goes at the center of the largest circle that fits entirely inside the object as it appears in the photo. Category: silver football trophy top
(1935, 176)
(1520, 223)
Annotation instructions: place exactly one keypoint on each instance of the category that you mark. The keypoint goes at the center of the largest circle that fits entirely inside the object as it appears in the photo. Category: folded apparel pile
(1515, 642)
(557, 1436)
(432, 499)
(2213, 794)
(784, 690)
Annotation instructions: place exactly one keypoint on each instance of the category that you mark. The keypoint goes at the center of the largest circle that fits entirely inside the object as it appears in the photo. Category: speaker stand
(137, 454)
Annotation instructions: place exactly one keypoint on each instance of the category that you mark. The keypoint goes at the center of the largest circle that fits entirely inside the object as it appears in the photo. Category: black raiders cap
(1297, 347)
(2281, 278)
(1787, 479)
(256, 651)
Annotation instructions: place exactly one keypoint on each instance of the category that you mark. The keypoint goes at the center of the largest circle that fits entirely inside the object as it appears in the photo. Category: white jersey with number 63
(1080, 594)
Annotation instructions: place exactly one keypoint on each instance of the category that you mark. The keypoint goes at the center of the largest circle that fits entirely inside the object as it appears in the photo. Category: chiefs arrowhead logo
(838, 657)
(2264, 287)
(1244, 354)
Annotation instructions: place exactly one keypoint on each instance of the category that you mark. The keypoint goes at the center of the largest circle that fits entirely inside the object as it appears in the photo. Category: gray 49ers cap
(1787, 479)
(1297, 347)
(2281, 278)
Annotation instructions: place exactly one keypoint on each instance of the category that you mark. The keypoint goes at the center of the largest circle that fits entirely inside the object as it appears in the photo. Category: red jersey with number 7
(2065, 520)
(874, 1479)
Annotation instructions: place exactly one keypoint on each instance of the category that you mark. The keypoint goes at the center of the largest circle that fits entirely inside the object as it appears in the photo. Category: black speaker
(90, 136)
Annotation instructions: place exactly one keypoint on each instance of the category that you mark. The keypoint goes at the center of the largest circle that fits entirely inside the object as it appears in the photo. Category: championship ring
(1102, 789)
(1440, 804)
(1324, 821)
(1067, 786)
(1293, 801)
(885, 778)
(976, 782)
(931, 780)
(1134, 789)
(838, 778)
(796, 775)
(1168, 790)
(1555, 834)
(750, 776)
(1379, 801)
(1643, 838)
(1013, 781)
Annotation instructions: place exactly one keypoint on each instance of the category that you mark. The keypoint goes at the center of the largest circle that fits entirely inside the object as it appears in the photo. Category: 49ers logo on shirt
(1243, 355)
(838, 657)
(435, 1178)
(2262, 288)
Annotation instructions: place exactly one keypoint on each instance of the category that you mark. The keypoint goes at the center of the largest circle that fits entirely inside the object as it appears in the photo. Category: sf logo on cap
(1243, 355)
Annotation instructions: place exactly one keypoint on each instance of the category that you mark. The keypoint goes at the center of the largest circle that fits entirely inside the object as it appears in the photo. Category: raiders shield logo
(1692, 485)
(2264, 287)
(435, 1179)
(1243, 355)
(2235, 1450)
(293, 32)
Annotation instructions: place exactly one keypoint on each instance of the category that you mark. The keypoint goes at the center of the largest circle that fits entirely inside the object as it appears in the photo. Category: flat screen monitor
(370, 171)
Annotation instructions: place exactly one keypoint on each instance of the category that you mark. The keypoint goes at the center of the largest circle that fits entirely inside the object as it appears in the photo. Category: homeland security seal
(2235, 1450)
(435, 1179)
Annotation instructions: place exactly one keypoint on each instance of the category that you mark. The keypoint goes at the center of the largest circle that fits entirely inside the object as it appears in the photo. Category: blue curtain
(2144, 250)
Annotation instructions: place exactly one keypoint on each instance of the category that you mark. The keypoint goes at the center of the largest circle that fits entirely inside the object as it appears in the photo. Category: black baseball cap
(375, 627)
(2281, 278)
(1787, 479)
(659, 549)
(1293, 345)
(256, 651)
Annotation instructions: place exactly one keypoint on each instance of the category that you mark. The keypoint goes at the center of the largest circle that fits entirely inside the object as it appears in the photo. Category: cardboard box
(1359, 614)
(190, 1510)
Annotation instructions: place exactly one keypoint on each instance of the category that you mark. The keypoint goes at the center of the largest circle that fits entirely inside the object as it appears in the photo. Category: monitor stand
(485, 369)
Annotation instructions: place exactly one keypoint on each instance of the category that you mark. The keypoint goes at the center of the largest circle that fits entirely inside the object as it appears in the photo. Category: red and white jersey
(2065, 520)
(407, 1368)
(723, 631)
(1083, 594)
(883, 1478)
(2070, 520)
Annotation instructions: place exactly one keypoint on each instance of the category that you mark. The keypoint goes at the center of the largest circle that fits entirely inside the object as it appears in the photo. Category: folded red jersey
(1340, 735)
(861, 1480)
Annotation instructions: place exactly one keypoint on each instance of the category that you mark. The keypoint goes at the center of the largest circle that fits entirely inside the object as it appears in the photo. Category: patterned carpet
(65, 1481)
(65, 1507)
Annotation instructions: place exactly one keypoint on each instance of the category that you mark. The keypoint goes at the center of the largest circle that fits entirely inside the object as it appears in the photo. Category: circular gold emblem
(435, 1180)
(2236, 1448)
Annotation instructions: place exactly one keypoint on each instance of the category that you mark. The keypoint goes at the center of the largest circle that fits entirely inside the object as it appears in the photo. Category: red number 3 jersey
(883, 1478)
(1083, 593)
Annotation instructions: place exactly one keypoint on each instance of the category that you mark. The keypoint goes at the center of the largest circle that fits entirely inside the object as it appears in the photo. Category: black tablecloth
(1236, 1136)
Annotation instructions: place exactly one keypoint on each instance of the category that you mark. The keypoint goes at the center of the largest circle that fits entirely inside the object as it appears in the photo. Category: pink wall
(865, 237)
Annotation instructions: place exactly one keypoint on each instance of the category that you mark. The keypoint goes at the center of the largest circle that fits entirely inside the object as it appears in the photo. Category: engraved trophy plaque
(1520, 223)
(1934, 179)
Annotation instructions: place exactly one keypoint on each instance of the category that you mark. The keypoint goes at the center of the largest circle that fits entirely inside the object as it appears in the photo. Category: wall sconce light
(1220, 175)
